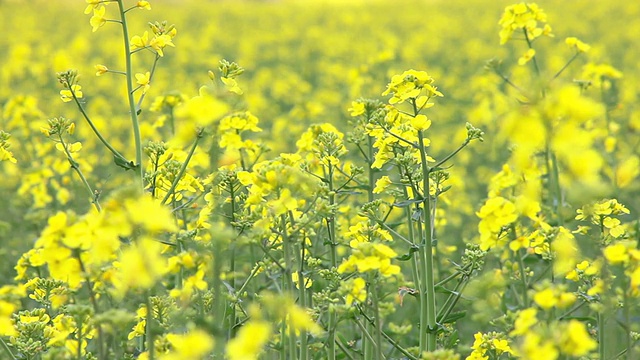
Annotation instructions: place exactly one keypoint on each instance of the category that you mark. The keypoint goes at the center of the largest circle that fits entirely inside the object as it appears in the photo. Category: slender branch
(509, 82)
(448, 157)
(388, 228)
(93, 127)
(153, 70)
(183, 168)
(389, 338)
(364, 331)
(572, 310)
(76, 168)
(6, 349)
(414, 145)
(530, 45)
(345, 351)
(575, 56)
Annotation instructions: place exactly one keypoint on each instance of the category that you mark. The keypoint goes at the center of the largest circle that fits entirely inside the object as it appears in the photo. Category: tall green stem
(601, 334)
(132, 103)
(288, 282)
(7, 350)
(302, 296)
(378, 323)
(149, 329)
(428, 298)
(331, 336)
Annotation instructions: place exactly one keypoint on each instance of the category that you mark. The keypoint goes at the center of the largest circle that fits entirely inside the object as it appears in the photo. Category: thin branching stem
(183, 168)
(93, 127)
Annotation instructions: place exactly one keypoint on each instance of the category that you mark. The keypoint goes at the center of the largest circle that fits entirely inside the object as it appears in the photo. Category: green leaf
(453, 317)
(444, 290)
(123, 163)
(406, 203)
(408, 256)
(453, 340)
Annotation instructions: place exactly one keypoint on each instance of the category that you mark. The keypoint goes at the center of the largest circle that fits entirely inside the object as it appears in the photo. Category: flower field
(433, 180)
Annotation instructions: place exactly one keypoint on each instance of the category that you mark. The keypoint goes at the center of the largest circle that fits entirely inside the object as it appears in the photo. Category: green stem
(154, 180)
(572, 310)
(333, 323)
(441, 162)
(344, 349)
(94, 128)
(395, 233)
(79, 352)
(390, 340)
(454, 275)
(132, 104)
(6, 349)
(523, 278)
(377, 324)
(302, 296)
(183, 168)
(153, 70)
(94, 302)
(288, 283)
(76, 167)
(452, 300)
(253, 274)
(575, 56)
(530, 45)
(371, 171)
(365, 333)
(232, 264)
(601, 338)
(366, 343)
(283, 340)
(412, 239)
(557, 189)
(508, 81)
(426, 252)
(627, 324)
(219, 304)
(149, 328)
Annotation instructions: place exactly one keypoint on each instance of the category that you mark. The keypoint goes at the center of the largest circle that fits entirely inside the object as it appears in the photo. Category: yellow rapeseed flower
(249, 341)
(575, 339)
(195, 345)
(98, 19)
(67, 95)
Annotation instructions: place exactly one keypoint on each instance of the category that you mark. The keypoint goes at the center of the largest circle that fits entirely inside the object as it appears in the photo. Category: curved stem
(104, 141)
